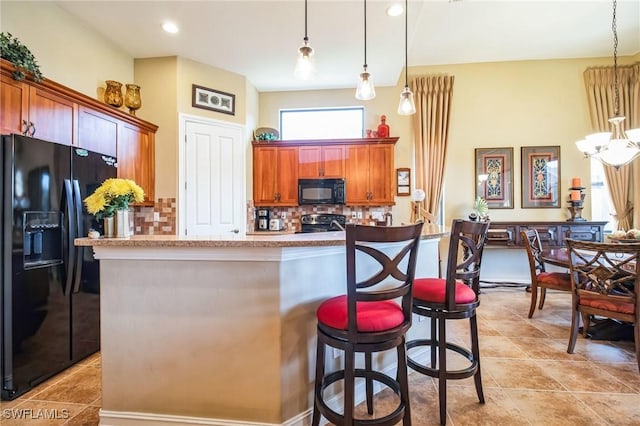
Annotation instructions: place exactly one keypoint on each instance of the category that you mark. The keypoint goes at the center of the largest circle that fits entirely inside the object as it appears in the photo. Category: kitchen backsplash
(364, 215)
(166, 210)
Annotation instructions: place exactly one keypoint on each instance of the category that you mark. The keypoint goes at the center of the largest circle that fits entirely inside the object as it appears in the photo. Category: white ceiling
(259, 39)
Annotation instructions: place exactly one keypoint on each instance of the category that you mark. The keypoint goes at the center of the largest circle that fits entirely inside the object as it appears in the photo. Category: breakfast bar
(219, 330)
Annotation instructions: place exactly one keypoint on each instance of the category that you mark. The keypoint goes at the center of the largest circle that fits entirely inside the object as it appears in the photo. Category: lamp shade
(365, 89)
(407, 105)
(305, 65)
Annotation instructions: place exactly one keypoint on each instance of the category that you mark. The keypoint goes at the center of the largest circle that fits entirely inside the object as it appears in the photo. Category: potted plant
(20, 56)
(110, 202)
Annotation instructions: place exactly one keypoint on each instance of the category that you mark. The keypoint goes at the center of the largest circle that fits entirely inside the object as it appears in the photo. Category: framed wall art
(403, 181)
(494, 176)
(540, 176)
(214, 100)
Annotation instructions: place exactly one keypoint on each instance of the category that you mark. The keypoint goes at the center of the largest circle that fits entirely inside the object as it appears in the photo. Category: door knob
(235, 231)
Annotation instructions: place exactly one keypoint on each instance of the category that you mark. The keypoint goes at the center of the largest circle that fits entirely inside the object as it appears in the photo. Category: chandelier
(407, 105)
(615, 148)
(365, 90)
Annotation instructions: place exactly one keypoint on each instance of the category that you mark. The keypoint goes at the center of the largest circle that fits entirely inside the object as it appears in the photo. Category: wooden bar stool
(372, 317)
(453, 297)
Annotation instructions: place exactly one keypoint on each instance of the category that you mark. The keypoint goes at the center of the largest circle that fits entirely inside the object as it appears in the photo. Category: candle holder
(576, 203)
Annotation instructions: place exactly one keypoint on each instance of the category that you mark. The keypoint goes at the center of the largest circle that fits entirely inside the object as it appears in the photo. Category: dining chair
(540, 278)
(373, 316)
(605, 279)
(451, 298)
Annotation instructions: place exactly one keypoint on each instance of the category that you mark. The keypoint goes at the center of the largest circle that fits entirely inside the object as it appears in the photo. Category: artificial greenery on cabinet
(20, 56)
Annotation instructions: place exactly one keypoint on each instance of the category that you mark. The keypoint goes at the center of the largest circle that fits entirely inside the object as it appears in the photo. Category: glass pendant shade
(406, 106)
(365, 90)
(305, 65)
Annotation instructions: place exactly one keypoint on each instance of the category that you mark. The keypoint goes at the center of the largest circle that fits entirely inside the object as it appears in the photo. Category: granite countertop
(336, 238)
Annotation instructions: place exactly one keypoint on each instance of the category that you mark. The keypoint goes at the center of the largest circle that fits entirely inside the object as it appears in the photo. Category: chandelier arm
(406, 44)
(365, 34)
(305, 21)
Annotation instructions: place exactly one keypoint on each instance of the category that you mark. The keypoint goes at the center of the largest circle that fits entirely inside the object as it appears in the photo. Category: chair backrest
(371, 246)
(533, 245)
(606, 271)
(465, 255)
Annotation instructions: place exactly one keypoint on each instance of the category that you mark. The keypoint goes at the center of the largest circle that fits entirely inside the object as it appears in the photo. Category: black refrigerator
(50, 308)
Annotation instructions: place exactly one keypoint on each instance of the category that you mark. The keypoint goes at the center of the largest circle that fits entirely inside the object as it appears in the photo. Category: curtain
(624, 182)
(431, 129)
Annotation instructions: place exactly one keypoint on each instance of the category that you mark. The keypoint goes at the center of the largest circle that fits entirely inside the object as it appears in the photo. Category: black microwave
(321, 191)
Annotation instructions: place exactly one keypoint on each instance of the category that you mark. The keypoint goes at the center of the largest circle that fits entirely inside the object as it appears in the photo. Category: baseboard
(125, 418)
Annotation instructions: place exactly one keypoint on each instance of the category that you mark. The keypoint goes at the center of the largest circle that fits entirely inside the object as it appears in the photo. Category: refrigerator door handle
(79, 251)
(71, 252)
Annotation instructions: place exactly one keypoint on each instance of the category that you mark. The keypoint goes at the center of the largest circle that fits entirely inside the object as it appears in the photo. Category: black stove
(322, 222)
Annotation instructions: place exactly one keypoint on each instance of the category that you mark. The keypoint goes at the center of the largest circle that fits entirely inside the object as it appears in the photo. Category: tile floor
(528, 377)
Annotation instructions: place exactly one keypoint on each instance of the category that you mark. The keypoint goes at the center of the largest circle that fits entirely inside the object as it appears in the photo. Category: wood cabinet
(369, 174)
(97, 131)
(56, 113)
(552, 234)
(35, 111)
(318, 161)
(136, 158)
(275, 176)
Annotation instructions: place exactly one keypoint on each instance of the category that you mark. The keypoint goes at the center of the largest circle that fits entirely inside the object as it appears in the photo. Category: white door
(213, 187)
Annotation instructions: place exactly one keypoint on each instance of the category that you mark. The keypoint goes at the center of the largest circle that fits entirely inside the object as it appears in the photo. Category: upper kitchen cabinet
(97, 131)
(321, 161)
(136, 157)
(35, 111)
(56, 113)
(275, 176)
(369, 174)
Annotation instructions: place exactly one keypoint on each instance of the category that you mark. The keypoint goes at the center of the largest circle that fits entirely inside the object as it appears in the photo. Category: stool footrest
(435, 372)
(337, 418)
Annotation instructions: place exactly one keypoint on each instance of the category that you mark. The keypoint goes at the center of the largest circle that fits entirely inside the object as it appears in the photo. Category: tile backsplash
(292, 214)
(157, 220)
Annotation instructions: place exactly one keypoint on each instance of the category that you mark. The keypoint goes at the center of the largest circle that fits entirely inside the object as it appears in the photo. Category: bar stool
(380, 269)
(453, 297)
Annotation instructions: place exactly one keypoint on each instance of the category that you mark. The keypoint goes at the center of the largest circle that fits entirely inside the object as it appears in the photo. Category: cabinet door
(97, 132)
(136, 158)
(357, 175)
(381, 174)
(333, 161)
(264, 175)
(53, 116)
(309, 162)
(287, 176)
(14, 102)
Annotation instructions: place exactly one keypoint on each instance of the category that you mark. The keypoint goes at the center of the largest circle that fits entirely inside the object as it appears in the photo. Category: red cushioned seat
(372, 316)
(558, 279)
(433, 290)
(608, 305)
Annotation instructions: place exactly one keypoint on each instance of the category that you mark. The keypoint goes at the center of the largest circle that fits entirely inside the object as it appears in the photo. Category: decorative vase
(120, 225)
(113, 93)
(108, 227)
(132, 98)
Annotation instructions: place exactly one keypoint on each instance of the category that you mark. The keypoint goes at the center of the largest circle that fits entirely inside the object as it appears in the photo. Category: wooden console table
(552, 234)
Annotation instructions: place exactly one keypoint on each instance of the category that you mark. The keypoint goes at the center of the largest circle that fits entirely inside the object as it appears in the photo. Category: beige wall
(67, 51)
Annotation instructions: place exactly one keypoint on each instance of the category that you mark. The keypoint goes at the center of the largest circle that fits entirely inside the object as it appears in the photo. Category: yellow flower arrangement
(114, 194)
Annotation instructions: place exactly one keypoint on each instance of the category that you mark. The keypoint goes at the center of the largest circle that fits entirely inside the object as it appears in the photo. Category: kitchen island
(219, 330)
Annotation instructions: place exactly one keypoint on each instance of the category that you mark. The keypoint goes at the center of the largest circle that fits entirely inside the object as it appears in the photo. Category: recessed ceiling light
(170, 27)
(395, 9)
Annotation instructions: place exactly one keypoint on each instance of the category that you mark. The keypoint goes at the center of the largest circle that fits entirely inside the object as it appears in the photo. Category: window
(322, 123)
(601, 206)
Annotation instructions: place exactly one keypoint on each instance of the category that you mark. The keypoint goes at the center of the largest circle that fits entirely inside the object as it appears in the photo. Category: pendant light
(406, 106)
(365, 90)
(305, 67)
(613, 148)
